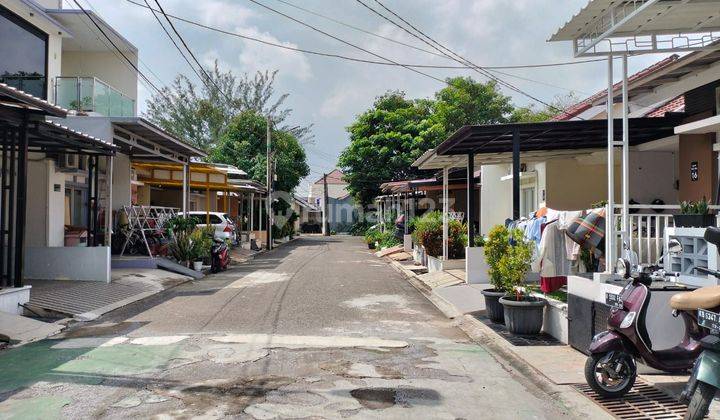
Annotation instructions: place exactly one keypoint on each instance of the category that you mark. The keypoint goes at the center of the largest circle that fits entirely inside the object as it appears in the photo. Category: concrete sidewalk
(562, 365)
(87, 300)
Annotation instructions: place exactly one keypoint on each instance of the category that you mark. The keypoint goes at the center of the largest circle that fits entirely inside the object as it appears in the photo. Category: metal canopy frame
(552, 135)
(616, 27)
(23, 130)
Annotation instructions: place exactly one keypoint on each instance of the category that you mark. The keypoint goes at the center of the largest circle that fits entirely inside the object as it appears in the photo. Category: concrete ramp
(21, 329)
(166, 264)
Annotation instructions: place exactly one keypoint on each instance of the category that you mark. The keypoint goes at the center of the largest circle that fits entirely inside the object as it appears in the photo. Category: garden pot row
(523, 316)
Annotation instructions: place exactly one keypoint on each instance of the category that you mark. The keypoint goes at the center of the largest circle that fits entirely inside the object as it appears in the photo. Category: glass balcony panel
(88, 94)
(66, 92)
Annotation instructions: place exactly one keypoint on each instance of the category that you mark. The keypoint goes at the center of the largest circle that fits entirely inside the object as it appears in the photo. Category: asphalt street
(318, 328)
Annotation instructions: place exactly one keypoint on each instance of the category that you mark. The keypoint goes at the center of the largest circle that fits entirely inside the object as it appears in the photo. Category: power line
(141, 74)
(365, 31)
(345, 42)
(177, 47)
(182, 40)
(122, 59)
(147, 67)
(360, 60)
(459, 58)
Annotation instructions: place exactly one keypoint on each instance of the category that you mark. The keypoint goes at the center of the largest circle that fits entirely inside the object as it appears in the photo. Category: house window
(527, 201)
(75, 206)
(23, 49)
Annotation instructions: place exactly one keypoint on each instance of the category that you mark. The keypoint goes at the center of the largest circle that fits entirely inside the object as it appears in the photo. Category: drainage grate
(541, 339)
(642, 402)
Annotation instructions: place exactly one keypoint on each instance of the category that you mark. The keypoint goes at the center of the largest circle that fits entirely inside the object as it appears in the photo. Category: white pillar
(108, 207)
(609, 219)
(252, 211)
(625, 156)
(185, 189)
(446, 209)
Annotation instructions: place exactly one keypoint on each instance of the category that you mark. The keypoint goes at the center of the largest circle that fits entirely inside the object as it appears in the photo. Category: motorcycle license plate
(614, 300)
(708, 319)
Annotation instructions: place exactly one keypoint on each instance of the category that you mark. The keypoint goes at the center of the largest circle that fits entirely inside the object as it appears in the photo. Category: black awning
(554, 135)
(15, 98)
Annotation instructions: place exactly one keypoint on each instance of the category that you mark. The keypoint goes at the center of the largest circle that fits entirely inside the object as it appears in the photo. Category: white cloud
(257, 57)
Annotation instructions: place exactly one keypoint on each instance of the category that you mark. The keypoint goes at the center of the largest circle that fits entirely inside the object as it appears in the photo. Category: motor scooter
(220, 256)
(611, 368)
(705, 379)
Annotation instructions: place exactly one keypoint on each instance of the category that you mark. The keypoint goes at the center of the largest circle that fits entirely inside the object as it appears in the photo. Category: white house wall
(122, 190)
(496, 197)
(106, 66)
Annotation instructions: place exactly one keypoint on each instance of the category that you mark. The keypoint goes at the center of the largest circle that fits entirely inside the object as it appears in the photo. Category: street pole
(268, 199)
(326, 230)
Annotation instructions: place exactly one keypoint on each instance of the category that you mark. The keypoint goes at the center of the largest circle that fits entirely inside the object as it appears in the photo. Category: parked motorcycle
(705, 379)
(220, 256)
(611, 369)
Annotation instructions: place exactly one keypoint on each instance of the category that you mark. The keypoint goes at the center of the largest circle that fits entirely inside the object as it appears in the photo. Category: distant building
(342, 212)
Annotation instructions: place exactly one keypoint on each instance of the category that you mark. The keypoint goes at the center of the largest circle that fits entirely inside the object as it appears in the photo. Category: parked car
(223, 224)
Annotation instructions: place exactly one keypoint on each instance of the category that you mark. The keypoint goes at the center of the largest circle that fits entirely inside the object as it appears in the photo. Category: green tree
(384, 142)
(200, 114)
(468, 102)
(243, 144)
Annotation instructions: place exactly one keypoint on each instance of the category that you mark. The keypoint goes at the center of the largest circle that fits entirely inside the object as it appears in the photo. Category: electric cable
(360, 60)
(187, 47)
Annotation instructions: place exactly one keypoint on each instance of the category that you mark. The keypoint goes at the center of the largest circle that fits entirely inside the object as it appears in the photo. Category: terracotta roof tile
(582, 106)
(675, 105)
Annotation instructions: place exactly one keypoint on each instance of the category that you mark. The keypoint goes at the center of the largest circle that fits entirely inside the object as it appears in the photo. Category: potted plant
(694, 214)
(372, 236)
(523, 312)
(181, 247)
(496, 245)
(202, 241)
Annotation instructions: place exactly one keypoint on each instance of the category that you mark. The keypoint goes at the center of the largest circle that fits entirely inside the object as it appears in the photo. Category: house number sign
(694, 175)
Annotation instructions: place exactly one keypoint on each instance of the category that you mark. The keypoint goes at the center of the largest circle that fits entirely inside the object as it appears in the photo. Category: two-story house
(75, 60)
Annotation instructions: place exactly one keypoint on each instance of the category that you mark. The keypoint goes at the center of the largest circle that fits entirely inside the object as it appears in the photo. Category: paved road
(318, 328)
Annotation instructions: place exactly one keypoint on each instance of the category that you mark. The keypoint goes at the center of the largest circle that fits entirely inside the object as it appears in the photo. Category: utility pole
(326, 230)
(268, 199)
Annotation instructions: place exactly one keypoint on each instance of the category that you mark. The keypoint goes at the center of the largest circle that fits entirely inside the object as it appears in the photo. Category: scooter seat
(703, 298)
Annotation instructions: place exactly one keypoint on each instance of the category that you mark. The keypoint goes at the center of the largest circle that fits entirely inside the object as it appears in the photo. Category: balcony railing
(89, 94)
(647, 227)
(34, 85)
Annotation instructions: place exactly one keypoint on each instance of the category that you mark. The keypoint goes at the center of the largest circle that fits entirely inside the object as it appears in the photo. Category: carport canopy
(493, 144)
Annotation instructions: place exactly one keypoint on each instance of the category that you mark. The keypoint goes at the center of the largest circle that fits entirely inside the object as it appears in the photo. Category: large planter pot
(523, 316)
(694, 220)
(493, 307)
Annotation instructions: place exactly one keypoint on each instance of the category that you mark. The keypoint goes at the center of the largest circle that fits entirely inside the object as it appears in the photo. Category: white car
(224, 226)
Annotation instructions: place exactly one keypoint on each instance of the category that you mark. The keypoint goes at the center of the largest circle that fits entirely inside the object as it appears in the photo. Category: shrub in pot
(428, 232)
(694, 214)
(523, 313)
(372, 236)
(496, 245)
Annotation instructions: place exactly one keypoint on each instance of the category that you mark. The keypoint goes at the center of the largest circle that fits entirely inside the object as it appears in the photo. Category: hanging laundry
(551, 260)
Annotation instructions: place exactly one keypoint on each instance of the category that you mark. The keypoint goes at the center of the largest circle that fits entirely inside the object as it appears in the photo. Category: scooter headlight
(628, 320)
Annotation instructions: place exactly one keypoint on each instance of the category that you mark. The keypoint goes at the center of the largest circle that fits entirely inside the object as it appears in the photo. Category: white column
(108, 207)
(625, 156)
(185, 189)
(252, 211)
(446, 209)
(609, 222)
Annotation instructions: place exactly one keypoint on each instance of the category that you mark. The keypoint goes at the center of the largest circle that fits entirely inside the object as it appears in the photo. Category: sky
(329, 93)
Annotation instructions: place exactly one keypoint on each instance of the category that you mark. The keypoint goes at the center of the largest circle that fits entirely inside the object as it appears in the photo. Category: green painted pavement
(35, 362)
(44, 408)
